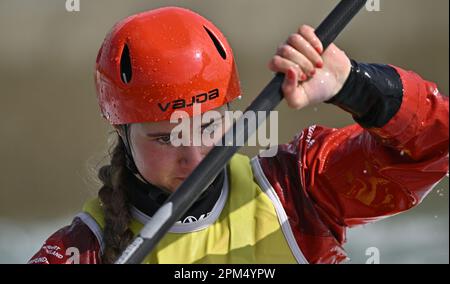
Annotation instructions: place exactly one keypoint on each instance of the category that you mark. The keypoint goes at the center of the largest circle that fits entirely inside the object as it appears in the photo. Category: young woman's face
(159, 161)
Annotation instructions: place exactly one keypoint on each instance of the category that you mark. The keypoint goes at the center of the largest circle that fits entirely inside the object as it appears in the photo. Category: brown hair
(114, 200)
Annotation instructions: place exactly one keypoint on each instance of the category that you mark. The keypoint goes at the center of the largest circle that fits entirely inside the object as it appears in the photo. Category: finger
(294, 95)
(302, 46)
(288, 52)
(309, 34)
(282, 65)
(290, 82)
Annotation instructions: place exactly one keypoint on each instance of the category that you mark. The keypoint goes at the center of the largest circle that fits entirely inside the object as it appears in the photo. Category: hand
(312, 75)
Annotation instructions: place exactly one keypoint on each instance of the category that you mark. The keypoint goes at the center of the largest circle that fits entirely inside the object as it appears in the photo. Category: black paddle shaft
(189, 191)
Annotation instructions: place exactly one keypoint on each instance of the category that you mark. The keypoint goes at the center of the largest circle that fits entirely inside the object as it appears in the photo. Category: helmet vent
(217, 43)
(125, 65)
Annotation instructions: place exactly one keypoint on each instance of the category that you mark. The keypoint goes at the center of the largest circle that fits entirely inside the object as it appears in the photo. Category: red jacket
(330, 179)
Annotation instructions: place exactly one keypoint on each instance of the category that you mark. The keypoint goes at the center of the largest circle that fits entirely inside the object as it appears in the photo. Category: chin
(175, 185)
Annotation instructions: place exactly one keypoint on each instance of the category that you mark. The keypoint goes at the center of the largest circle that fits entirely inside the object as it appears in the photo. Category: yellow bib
(247, 230)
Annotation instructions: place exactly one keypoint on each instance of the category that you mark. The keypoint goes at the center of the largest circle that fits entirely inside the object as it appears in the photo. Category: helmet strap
(131, 165)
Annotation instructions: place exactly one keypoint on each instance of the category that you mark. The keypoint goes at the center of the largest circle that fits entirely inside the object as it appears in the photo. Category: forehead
(167, 126)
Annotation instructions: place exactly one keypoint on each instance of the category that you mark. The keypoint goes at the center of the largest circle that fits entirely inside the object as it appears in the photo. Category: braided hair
(115, 203)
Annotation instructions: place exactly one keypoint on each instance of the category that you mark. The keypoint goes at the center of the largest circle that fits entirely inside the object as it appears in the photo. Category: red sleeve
(74, 244)
(358, 176)
(353, 176)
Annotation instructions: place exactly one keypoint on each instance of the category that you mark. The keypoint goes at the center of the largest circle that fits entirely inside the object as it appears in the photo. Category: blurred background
(52, 135)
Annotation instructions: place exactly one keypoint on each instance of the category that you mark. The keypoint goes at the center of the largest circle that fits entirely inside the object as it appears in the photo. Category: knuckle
(285, 51)
(275, 62)
(272, 63)
(294, 39)
(304, 29)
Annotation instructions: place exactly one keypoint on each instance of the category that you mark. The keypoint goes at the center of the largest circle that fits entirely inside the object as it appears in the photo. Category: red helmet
(163, 60)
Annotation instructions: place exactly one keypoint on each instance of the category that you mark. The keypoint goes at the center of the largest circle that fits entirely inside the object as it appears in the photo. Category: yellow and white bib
(247, 225)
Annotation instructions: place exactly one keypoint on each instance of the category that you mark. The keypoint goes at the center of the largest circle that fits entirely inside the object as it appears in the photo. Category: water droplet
(436, 92)
(365, 172)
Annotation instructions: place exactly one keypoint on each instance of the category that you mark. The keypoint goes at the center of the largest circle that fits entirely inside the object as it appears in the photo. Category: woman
(293, 207)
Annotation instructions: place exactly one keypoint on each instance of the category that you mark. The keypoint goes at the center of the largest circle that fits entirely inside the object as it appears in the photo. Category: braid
(116, 207)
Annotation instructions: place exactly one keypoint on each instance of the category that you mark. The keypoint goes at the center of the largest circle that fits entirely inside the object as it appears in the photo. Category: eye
(164, 140)
(211, 128)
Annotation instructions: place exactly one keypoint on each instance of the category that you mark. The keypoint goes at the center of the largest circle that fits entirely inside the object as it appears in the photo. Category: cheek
(152, 161)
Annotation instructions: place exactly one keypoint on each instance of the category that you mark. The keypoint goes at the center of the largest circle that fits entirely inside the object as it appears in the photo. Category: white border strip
(194, 226)
(93, 226)
(281, 213)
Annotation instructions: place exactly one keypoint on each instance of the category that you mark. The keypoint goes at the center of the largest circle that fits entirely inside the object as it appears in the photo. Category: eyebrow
(161, 134)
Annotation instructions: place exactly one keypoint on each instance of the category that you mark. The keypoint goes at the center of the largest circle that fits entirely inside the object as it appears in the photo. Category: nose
(189, 157)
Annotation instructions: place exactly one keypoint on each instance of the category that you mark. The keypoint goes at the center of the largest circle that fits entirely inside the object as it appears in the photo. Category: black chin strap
(130, 161)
